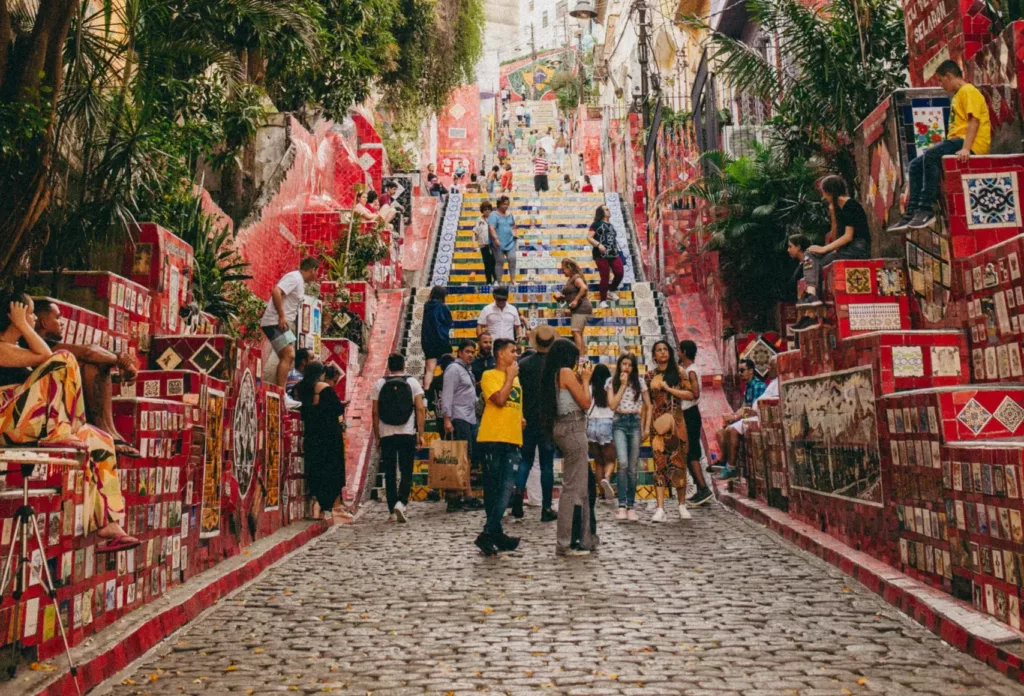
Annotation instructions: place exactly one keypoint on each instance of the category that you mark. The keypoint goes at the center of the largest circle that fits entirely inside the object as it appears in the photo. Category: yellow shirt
(968, 101)
(505, 423)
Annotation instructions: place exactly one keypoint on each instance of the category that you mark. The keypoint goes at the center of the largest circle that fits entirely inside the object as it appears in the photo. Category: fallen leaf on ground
(862, 681)
(488, 610)
(231, 668)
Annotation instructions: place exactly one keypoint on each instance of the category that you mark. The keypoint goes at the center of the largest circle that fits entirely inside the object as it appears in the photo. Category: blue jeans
(925, 172)
(534, 443)
(501, 463)
(626, 436)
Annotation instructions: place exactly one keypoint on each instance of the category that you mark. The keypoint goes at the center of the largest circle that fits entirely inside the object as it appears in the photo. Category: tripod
(25, 527)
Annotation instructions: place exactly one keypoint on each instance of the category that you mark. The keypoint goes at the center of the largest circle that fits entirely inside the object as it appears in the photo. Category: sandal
(120, 543)
(126, 449)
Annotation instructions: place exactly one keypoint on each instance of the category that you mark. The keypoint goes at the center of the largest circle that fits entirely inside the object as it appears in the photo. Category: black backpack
(395, 404)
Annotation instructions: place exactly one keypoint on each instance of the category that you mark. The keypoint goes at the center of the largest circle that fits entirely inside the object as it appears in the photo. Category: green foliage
(841, 58)
(401, 159)
(216, 268)
(757, 202)
(566, 87)
(351, 260)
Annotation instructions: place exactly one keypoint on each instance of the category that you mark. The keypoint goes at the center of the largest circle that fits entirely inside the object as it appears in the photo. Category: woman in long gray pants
(565, 397)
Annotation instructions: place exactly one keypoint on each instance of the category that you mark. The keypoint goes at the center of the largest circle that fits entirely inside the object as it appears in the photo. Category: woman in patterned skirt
(668, 387)
(41, 404)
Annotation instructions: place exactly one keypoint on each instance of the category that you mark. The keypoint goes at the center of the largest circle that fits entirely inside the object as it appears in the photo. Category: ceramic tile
(907, 361)
(929, 127)
(874, 317)
(974, 416)
(1009, 413)
(945, 361)
(992, 200)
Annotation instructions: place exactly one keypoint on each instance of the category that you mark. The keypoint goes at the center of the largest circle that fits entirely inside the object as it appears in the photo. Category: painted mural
(529, 79)
(831, 435)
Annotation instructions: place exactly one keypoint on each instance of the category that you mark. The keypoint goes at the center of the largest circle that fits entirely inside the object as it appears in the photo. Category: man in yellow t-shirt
(499, 438)
(969, 132)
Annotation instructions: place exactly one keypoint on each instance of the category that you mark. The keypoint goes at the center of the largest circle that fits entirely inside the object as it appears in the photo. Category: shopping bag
(449, 465)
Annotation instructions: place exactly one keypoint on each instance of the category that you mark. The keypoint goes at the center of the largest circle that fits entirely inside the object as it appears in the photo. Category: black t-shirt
(530, 369)
(852, 215)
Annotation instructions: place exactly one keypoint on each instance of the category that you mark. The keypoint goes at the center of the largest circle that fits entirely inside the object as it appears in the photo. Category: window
(531, 5)
(544, 18)
(560, 10)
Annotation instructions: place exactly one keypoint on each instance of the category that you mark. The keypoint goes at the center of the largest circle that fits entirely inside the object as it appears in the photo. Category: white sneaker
(620, 514)
(613, 296)
(603, 305)
(609, 494)
(659, 515)
(632, 516)
(684, 513)
(577, 552)
(400, 513)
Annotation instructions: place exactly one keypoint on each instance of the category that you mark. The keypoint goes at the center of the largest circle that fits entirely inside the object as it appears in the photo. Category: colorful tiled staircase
(551, 226)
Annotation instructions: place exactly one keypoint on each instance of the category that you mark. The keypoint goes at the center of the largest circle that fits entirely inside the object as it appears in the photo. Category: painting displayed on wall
(214, 465)
(273, 453)
(831, 435)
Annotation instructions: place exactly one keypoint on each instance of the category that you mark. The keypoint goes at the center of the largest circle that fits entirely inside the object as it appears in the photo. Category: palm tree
(832, 64)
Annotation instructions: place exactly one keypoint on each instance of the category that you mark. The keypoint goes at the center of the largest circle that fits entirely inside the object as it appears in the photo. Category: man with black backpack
(398, 419)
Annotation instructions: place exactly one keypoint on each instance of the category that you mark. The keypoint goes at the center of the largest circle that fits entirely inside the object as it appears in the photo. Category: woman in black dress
(323, 444)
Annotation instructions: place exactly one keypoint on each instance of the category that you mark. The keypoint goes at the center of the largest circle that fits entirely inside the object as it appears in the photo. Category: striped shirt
(540, 165)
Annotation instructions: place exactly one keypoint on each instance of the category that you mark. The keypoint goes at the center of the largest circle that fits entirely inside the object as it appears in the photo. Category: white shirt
(500, 322)
(548, 143)
(520, 110)
(409, 428)
(683, 403)
(482, 232)
(293, 287)
(770, 392)
(631, 402)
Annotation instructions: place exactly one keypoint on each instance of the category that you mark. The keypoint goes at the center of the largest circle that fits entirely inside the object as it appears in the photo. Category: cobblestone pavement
(708, 607)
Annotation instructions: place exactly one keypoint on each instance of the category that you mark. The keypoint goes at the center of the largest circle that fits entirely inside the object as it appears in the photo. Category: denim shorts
(599, 430)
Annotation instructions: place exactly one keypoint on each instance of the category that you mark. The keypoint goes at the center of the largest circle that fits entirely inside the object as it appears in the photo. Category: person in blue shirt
(503, 240)
(729, 436)
(435, 336)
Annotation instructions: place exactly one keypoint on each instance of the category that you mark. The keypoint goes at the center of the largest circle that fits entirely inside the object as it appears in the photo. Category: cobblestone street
(712, 606)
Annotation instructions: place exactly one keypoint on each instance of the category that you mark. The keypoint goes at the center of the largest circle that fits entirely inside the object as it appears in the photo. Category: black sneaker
(548, 515)
(486, 544)
(517, 505)
(472, 503)
(922, 219)
(903, 224)
(454, 504)
(507, 543)
(805, 323)
(700, 497)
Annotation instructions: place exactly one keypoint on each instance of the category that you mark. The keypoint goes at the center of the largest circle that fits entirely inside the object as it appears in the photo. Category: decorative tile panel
(858, 281)
(907, 361)
(874, 317)
(1009, 413)
(929, 126)
(991, 200)
(974, 416)
(946, 361)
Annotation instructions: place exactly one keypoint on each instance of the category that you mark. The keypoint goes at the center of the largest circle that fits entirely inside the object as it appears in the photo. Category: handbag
(671, 438)
(449, 465)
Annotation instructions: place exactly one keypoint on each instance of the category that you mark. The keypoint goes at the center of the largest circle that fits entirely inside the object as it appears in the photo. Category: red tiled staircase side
(956, 622)
(359, 432)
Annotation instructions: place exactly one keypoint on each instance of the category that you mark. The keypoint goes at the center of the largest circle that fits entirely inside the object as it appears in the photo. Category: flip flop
(126, 449)
(121, 543)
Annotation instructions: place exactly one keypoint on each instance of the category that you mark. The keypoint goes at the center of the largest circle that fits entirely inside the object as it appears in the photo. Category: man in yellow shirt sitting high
(969, 132)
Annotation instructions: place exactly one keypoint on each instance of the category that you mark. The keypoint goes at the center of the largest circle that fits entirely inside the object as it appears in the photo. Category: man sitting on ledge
(41, 405)
(97, 364)
(969, 133)
(729, 436)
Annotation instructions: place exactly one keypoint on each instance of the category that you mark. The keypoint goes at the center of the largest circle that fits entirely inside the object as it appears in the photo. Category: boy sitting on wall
(969, 133)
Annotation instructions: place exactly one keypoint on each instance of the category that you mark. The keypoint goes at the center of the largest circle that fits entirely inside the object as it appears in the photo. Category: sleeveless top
(566, 404)
(569, 293)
